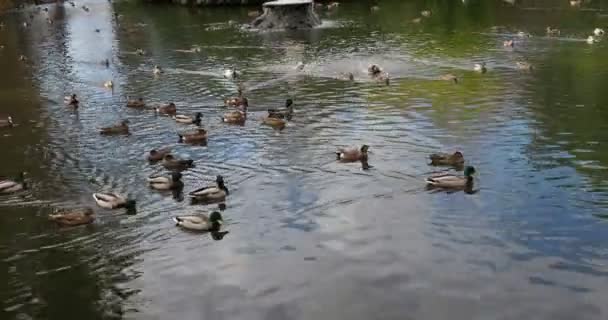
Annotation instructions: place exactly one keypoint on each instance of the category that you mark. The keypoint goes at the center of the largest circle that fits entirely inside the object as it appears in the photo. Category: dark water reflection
(309, 237)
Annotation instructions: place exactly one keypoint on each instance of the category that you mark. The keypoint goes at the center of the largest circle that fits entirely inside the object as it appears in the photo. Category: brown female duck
(444, 159)
(122, 128)
(282, 113)
(136, 104)
(73, 217)
(168, 109)
(198, 136)
(158, 154)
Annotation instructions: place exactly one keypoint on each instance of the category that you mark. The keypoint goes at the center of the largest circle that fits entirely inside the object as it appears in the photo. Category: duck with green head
(172, 163)
(211, 194)
(200, 222)
(112, 200)
(452, 181)
(282, 113)
(196, 119)
(73, 217)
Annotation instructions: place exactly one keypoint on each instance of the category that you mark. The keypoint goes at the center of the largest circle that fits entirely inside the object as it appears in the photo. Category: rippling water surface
(308, 237)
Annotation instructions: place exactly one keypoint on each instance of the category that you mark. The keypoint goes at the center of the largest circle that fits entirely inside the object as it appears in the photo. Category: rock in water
(287, 14)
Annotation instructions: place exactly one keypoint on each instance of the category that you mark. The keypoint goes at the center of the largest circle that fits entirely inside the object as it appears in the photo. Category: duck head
(220, 183)
(197, 119)
(125, 122)
(469, 171)
(364, 148)
(216, 220)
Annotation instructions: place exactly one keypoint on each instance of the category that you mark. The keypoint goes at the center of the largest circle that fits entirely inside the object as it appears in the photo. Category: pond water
(308, 237)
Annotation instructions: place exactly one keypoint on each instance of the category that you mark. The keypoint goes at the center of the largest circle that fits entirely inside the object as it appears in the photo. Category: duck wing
(5, 184)
(206, 191)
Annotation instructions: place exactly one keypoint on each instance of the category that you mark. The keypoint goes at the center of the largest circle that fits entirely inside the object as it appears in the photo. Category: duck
(235, 101)
(49, 21)
(73, 217)
(591, 40)
(7, 123)
(426, 13)
(553, 31)
(172, 163)
(71, 100)
(575, 3)
(300, 66)
(598, 32)
(196, 119)
(231, 74)
(275, 123)
(122, 128)
(162, 182)
(235, 117)
(522, 65)
(168, 109)
(347, 76)
(200, 222)
(136, 104)
(352, 154)
(333, 5)
(253, 14)
(8, 186)
(157, 70)
(140, 52)
(111, 200)
(448, 77)
(373, 70)
(198, 136)
(508, 43)
(445, 159)
(283, 113)
(480, 67)
(211, 193)
(451, 181)
(158, 154)
(108, 84)
(374, 9)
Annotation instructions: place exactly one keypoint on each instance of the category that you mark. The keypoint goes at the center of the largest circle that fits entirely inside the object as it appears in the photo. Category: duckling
(333, 5)
(180, 118)
(71, 100)
(426, 13)
(522, 65)
(172, 163)
(237, 116)
(6, 123)
(283, 113)
(352, 154)
(200, 222)
(598, 32)
(168, 109)
(275, 123)
(508, 43)
(160, 182)
(444, 159)
(13, 185)
(231, 74)
(140, 52)
(216, 193)
(480, 67)
(591, 40)
(136, 104)
(122, 128)
(73, 217)
(157, 70)
(156, 155)
(448, 77)
(451, 181)
(108, 84)
(193, 137)
(552, 31)
(111, 200)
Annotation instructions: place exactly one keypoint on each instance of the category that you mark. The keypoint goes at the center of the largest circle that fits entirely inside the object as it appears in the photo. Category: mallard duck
(591, 40)
(598, 32)
(211, 193)
(140, 52)
(157, 70)
(333, 5)
(200, 222)
(231, 74)
(122, 128)
(352, 154)
(111, 200)
(71, 100)
(425, 13)
(236, 101)
(575, 3)
(553, 31)
(275, 123)
(73, 217)
(8, 122)
(480, 67)
(168, 109)
(283, 113)
(253, 14)
(444, 159)
(451, 181)
(162, 182)
(448, 77)
(522, 65)
(157, 155)
(198, 136)
(300, 66)
(373, 70)
(196, 119)
(13, 185)
(508, 43)
(172, 163)
(136, 104)
(108, 84)
(347, 76)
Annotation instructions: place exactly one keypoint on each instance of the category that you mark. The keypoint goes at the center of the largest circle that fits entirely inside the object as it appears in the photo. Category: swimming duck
(211, 193)
(553, 31)
(426, 13)
(136, 104)
(111, 200)
(140, 52)
(598, 32)
(373, 70)
(522, 65)
(198, 136)
(591, 40)
(162, 182)
(235, 101)
(275, 123)
(157, 155)
(180, 118)
(13, 185)
(200, 222)
(157, 70)
(300, 66)
(172, 163)
(444, 159)
(347, 76)
(451, 181)
(253, 14)
(168, 109)
(283, 113)
(480, 67)
(237, 116)
(333, 5)
(352, 154)
(8, 122)
(575, 3)
(508, 43)
(449, 77)
(122, 128)
(85, 8)
(108, 84)
(73, 217)
(231, 74)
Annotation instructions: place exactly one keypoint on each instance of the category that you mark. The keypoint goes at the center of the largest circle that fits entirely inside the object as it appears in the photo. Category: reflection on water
(309, 236)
